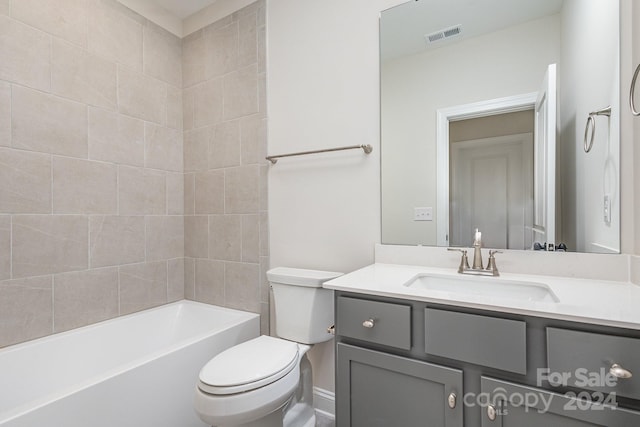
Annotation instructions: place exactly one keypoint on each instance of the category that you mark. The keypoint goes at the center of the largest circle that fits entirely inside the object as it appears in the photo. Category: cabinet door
(522, 406)
(376, 389)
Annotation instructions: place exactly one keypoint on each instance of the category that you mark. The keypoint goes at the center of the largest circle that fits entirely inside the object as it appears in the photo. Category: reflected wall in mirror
(467, 116)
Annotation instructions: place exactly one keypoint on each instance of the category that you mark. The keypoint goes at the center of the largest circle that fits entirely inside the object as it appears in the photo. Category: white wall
(588, 83)
(504, 63)
(323, 80)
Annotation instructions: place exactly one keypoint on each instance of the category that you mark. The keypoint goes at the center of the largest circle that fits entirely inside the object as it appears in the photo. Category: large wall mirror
(501, 115)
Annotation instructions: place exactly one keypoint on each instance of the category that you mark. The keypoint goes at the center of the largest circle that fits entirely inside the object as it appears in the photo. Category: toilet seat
(249, 366)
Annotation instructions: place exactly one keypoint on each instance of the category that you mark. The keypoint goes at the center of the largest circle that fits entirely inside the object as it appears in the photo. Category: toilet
(267, 381)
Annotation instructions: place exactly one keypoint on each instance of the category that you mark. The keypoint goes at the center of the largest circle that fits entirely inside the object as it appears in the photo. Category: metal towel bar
(591, 120)
(366, 148)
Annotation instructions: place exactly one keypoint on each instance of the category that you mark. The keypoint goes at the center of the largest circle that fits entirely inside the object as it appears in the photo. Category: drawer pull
(369, 323)
(619, 372)
(451, 400)
(491, 412)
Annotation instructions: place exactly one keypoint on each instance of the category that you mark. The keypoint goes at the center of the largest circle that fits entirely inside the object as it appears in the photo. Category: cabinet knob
(619, 372)
(491, 412)
(369, 323)
(451, 400)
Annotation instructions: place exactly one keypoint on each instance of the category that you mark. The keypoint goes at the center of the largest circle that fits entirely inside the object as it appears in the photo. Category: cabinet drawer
(377, 322)
(481, 340)
(584, 358)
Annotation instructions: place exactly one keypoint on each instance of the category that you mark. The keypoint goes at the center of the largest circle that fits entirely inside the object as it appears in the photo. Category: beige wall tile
(248, 42)
(242, 189)
(262, 47)
(264, 234)
(63, 18)
(141, 96)
(45, 244)
(84, 186)
(190, 278)
(262, 93)
(116, 240)
(114, 35)
(141, 191)
(241, 288)
(5, 7)
(265, 287)
(224, 147)
(196, 236)
(25, 54)
(142, 286)
(209, 192)
(25, 182)
(209, 281)
(222, 49)
(114, 137)
(83, 77)
(163, 148)
(240, 93)
(162, 55)
(189, 193)
(164, 237)
(250, 238)
(196, 148)
(208, 102)
(48, 124)
(5, 247)
(174, 107)
(188, 108)
(253, 130)
(175, 279)
(84, 297)
(264, 187)
(225, 237)
(193, 59)
(26, 310)
(5, 114)
(175, 193)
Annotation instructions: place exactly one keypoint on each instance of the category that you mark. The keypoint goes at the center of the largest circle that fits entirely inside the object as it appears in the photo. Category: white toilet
(267, 381)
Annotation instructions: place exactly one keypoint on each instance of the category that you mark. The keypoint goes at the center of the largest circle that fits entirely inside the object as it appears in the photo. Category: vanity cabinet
(410, 363)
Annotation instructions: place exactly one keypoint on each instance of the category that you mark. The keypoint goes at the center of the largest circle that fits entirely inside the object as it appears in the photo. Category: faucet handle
(491, 264)
(464, 261)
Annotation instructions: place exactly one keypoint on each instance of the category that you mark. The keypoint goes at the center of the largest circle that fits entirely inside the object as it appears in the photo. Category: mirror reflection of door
(491, 180)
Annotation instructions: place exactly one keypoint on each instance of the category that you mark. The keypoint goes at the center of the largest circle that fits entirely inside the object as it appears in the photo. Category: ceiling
(181, 8)
(403, 28)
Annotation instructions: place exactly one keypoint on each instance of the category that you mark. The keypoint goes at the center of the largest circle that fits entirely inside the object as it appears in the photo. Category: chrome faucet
(478, 266)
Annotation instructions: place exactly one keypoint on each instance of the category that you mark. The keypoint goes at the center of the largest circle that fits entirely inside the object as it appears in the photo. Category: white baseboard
(324, 401)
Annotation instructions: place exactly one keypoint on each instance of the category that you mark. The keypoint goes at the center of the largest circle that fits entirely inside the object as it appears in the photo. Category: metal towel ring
(632, 103)
(591, 119)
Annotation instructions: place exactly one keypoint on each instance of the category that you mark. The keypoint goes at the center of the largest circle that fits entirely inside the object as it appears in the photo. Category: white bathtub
(138, 370)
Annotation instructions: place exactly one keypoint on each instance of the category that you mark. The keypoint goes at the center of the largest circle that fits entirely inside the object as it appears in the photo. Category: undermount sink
(491, 287)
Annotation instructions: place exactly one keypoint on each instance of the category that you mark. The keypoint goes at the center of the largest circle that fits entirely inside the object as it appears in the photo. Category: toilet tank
(303, 309)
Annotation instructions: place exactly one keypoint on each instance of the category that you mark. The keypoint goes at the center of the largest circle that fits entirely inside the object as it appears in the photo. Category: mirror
(485, 109)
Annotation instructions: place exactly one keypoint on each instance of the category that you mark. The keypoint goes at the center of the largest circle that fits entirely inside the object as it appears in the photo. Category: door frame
(509, 104)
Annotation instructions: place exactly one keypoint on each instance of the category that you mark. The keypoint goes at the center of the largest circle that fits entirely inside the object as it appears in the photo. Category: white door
(492, 190)
(544, 161)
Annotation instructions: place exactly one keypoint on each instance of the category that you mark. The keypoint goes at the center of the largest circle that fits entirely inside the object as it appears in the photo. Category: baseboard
(324, 401)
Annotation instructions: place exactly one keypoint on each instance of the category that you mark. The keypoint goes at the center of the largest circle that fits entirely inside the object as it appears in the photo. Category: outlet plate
(423, 214)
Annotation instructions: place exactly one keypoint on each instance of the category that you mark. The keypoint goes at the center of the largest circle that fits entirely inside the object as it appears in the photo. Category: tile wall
(225, 142)
(92, 162)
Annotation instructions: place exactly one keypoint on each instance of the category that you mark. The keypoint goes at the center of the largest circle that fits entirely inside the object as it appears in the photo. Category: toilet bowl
(267, 381)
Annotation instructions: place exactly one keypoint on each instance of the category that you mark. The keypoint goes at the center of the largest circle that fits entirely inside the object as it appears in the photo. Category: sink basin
(490, 287)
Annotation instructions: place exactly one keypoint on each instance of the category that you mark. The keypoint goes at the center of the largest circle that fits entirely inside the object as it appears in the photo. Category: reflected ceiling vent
(443, 34)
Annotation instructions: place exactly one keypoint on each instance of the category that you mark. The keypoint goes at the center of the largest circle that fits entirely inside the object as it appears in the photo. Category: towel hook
(591, 120)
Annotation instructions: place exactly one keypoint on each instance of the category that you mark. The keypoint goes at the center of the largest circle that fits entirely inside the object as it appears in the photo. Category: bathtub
(137, 370)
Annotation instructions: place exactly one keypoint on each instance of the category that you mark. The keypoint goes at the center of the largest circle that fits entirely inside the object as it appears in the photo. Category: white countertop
(580, 300)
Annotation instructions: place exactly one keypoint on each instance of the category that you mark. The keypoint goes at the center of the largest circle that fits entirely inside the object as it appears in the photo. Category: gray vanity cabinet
(381, 389)
(409, 363)
(516, 405)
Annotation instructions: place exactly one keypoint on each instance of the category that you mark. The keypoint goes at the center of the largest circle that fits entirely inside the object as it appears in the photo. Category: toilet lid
(249, 365)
